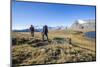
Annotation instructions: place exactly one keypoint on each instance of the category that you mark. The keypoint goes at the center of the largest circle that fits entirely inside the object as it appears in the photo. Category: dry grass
(28, 52)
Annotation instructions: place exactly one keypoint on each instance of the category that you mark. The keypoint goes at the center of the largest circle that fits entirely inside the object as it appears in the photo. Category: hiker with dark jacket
(32, 30)
(45, 32)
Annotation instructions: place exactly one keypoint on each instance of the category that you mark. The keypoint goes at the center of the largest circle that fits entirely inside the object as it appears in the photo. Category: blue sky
(26, 13)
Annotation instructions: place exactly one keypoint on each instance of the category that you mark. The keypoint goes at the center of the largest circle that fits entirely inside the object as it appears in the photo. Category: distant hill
(40, 29)
(27, 30)
(57, 28)
(83, 25)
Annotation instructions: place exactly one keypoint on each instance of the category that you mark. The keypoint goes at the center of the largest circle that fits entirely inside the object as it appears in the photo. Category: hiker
(32, 30)
(45, 32)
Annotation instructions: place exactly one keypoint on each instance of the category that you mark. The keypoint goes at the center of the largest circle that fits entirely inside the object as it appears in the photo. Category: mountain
(57, 28)
(83, 25)
(27, 30)
(23, 30)
(76, 25)
(38, 29)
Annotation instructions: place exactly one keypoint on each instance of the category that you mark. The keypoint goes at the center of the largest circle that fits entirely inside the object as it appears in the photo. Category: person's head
(31, 25)
(46, 25)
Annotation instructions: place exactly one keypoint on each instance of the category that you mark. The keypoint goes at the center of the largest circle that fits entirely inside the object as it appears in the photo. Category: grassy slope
(81, 49)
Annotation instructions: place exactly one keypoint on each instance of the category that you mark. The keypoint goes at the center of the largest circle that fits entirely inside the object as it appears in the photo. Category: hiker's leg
(32, 33)
(43, 36)
(47, 35)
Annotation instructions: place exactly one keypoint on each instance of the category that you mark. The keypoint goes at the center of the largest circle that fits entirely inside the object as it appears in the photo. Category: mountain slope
(83, 25)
